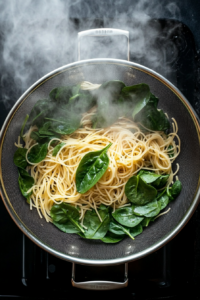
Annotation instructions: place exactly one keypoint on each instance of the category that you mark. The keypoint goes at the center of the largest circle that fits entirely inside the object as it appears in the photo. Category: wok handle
(100, 285)
(102, 32)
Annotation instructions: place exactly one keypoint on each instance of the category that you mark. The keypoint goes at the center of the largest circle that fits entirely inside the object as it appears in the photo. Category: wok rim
(31, 235)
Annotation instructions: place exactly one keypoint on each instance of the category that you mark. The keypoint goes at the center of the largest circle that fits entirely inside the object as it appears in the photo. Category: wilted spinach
(138, 192)
(20, 158)
(152, 118)
(57, 148)
(145, 222)
(125, 216)
(154, 212)
(163, 200)
(136, 230)
(111, 238)
(26, 182)
(138, 95)
(38, 153)
(66, 218)
(95, 228)
(119, 229)
(91, 168)
(145, 209)
(174, 190)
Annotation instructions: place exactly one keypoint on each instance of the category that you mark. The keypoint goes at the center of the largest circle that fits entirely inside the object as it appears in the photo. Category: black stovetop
(173, 272)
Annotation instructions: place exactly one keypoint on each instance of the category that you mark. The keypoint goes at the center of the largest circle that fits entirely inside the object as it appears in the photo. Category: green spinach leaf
(111, 238)
(145, 209)
(91, 168)
(138, 95)
(151, 117)
(174, 190)
(25, 182)
(157, 180)
(154, 212)
(57, 148)
(95, 228)
(65, 125)
(148, 176)
(66, 218)
(62, 94)
(139, 192)
(145, 222)
(164, 200)
(118, 229)
(125, 216)
(20, 158)
(38, 153)
(39, 112)
(136, 230)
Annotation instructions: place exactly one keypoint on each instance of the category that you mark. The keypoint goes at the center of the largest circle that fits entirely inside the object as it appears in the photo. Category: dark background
(36, 38)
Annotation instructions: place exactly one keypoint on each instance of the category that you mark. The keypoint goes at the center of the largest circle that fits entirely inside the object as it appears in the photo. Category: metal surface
(75, 249)
(100, 285)
(103, 32)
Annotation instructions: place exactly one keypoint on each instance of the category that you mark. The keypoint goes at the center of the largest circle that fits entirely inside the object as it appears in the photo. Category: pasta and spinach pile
(96, 160)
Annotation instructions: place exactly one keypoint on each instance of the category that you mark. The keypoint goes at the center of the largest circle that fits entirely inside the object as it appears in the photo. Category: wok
(71, 247)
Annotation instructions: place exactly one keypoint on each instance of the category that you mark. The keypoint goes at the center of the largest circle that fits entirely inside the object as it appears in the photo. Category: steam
(37, 37)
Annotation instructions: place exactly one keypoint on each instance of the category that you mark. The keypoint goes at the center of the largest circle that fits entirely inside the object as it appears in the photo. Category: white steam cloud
(37, 37)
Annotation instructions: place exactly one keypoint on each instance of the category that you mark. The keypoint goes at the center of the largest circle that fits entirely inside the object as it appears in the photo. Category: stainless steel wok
(71, 247)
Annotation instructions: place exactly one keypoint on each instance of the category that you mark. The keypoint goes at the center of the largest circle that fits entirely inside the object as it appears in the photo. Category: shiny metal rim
(23, 227)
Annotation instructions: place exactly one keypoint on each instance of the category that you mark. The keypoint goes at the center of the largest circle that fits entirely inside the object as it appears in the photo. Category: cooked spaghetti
(131, 150)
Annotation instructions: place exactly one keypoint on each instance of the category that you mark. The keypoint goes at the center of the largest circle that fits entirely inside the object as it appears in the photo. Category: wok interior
(189, 160)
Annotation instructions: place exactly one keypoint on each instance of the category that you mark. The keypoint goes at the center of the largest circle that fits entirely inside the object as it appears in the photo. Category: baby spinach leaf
(45, 129)
(91, 168)
(81, 103)
(145, 222)
(145, 209)
(20, 158)
(57, 148)
(161, 193)
(39, 112)
(148, 176)
(25, 182)
(139, 95)
(161, 181)
(66, 218)
(164, 200)
(139, 192)
(103, 207)
(65, 125)
(23, 126)
(125, 216)
(111, 238)
(154, 212)
(136, 230)
(151, 117)
(42, 139)
(175, 190)
(95, 228)
(118, 229)
(61, 94)
(37, 153)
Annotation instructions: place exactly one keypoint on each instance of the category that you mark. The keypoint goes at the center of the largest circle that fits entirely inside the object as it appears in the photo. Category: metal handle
(100, 285)
(102, 32)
